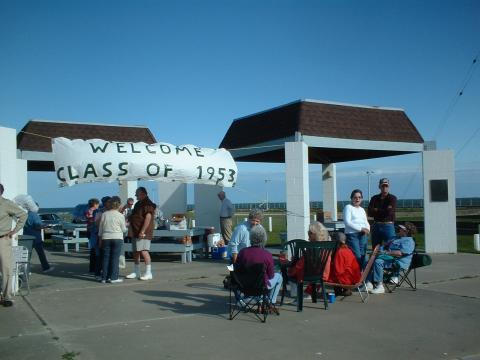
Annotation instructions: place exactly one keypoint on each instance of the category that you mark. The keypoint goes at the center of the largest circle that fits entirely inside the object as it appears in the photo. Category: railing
(401, 203)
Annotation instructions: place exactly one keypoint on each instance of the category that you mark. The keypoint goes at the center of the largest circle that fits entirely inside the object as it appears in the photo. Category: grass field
(279, 225)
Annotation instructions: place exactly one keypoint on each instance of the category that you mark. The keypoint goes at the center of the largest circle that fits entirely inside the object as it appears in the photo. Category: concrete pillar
(22, 176)
(298, 194)
(207, 206)
(439, 201)
(127, 190)
(13, 172)
(329, 181)
(172, 198)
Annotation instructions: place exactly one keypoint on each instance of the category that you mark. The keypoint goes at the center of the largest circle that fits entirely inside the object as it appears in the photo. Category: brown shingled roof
(319, 119)
(36, 135)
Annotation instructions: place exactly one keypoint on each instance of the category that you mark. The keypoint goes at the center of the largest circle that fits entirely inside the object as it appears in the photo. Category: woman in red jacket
(345, 268)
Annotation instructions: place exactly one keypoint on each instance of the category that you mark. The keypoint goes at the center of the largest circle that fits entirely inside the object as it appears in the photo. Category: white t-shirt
(355, 219)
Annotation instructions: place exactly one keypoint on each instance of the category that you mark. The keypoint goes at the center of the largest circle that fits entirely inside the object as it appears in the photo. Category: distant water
(56, 210)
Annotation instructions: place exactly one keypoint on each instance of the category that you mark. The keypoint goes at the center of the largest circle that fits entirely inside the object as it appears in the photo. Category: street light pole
(369, 173)
(266, 193)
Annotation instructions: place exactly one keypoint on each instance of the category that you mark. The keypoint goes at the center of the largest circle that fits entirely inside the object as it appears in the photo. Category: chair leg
(231, 307)
(364, 298)
(414, 279)
(299, 296)
(284, 289)
(325, 302)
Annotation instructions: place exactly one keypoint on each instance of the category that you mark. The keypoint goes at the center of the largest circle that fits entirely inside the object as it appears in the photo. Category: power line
(467, 142)
(456, 97)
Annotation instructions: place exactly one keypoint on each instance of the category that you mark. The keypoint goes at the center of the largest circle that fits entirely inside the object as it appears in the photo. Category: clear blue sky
(186, 69)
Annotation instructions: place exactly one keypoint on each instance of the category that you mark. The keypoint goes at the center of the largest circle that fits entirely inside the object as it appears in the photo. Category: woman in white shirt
(356, 226)
(111, 231)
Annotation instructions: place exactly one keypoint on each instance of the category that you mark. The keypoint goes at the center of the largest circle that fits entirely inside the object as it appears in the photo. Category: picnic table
(75, 237)
(182, 242)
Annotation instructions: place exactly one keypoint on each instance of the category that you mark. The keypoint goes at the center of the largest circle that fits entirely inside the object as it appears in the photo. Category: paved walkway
(182, 314)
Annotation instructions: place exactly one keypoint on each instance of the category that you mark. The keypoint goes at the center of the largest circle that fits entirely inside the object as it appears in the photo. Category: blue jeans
(275, 284)
(378, 267)
(382, 233)
(357, 242)
(111, 256)
(41, 255)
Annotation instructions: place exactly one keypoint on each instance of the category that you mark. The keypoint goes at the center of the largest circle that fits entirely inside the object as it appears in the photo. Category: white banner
(82, 161)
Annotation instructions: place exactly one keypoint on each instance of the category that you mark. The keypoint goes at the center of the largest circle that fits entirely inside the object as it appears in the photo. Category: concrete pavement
(182, 314)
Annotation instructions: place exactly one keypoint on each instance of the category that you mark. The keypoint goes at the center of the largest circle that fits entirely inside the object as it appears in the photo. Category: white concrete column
(207, 206)
(298, 194)
(127, 190)
(22, 177)
(172, 198)
(440, 213)
(13, 172)
(329, 182)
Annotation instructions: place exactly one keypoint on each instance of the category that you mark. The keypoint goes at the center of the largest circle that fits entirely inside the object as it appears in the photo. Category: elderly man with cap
(398, 251)
(8, 212)
(226, 214)
(382, 208)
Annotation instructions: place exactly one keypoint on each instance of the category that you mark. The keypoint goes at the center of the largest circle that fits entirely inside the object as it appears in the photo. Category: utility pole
(266, 193)
(369, 173)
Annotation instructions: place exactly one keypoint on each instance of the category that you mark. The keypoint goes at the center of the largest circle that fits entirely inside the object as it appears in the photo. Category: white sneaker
(116, 281)
(394, 280)
(367, 287)
(133, 275)
(378, 290)
(146, 277)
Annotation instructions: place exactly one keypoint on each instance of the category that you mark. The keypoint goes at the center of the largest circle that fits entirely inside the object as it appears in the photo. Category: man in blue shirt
(241, 234)
(397, 251)
(33, 226)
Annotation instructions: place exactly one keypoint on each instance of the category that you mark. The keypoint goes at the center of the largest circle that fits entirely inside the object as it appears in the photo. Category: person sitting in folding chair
(397, 254)
(256, 254)
(316, 232)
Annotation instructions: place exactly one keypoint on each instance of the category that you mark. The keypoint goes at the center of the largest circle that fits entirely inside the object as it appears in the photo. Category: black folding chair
(406, 276)
(252, 295)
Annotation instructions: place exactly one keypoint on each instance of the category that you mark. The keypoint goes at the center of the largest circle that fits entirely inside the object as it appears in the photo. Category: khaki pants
(6, 266)
(226, 229)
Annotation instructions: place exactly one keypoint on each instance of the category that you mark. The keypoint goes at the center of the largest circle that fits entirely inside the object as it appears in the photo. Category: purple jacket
(256, 255)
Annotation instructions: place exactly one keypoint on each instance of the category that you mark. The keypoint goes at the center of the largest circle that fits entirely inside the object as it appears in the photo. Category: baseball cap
(384, 181)
(398, 227)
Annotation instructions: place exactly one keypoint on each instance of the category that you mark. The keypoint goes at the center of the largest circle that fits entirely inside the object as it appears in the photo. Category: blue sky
(187, 69)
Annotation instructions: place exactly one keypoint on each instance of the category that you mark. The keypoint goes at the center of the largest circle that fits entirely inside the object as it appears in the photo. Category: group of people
(247, 240)
(396, 244)
(109, 224)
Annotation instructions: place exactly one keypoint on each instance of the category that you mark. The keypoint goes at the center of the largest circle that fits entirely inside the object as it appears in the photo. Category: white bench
(66, 240)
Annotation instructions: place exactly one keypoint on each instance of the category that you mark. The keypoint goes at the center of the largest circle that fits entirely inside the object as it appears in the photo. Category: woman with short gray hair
(256, 254)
